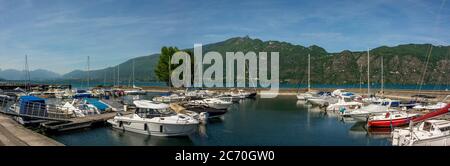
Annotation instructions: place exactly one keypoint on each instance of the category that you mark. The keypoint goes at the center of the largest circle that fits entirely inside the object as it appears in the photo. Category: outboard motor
(203, 118)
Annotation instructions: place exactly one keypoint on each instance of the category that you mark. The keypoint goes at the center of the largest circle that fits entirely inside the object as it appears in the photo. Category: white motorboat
(215, 103)
(169, 99)
(345, 103)
(227, 97)
(135, 92)
(362, 113)
(433, 107)
(155, 119)
(427, 133)
(306, 95)
(322, 100)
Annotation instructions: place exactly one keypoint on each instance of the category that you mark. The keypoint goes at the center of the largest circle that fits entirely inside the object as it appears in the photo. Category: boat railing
(33, 110)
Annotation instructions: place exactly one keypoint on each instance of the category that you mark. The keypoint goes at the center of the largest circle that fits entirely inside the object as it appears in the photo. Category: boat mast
(360, 79)
(27, 74)
(118, 75)
(104, 78)
(88, 72)
(114, 76)
(170, 84)
(368, 73)
(309, 72)
(133, 74)
(382, 77)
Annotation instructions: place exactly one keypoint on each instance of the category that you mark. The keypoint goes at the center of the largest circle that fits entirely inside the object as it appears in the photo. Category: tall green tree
(162, 68)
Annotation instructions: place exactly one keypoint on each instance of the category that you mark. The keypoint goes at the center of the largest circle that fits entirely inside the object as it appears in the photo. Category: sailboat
(308, 94)
(135, 90)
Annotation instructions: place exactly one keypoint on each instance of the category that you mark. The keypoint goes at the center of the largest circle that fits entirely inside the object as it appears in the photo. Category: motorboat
(211, 112)
(362, 113)
(324, 99)
(345, 103)
(135, 91)
(31, 107)
(155, 119)
(433, 107)
(169, 99)
(228, 97)
(215, 103)
(306, 95)
(390, 119)
(427, 133)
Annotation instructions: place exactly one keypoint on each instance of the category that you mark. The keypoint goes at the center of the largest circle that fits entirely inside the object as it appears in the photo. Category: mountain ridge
(403, 64)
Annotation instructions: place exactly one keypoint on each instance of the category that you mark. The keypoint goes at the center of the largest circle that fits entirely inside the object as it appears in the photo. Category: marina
(338, 117)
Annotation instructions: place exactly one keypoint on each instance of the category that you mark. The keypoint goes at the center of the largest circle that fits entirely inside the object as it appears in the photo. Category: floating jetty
(14, 134)
(5, 85)
(78, 123)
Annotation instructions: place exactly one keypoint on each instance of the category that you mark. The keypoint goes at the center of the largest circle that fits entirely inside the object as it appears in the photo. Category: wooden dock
(14, 134)
(78, 123)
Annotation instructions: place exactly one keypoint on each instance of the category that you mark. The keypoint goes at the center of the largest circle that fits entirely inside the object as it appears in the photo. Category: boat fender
(120, 123)
(145, 127)
(160, 128)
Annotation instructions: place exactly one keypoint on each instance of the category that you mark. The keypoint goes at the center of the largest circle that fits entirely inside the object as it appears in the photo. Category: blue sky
(58, 35)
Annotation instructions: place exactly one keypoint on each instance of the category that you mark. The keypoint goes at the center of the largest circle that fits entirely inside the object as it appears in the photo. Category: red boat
(390, 119)
(394, 119)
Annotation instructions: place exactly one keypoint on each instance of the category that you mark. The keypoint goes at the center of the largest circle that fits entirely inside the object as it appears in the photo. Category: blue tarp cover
(32, 105)
(100, 106)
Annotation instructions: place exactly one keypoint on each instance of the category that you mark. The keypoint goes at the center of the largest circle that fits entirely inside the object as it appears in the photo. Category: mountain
(39, 74)
(403, 64)
(144, 67)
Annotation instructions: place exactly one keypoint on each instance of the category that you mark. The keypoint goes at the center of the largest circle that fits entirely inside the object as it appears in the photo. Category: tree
(162, 68)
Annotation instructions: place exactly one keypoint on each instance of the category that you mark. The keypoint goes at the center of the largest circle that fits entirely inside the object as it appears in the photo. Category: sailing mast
(360, 79)
(368, 73)
(170, 84)
(114, 76)
(88, 72)
(27, 74)
(309, 72)
(382, 77)
(118, 75)
(133, 75)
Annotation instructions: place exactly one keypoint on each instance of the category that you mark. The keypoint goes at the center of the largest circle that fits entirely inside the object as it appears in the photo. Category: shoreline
(400, 94)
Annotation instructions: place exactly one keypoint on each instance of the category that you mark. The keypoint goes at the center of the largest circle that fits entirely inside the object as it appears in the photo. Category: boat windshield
(346, 99)
(427, 126)
(150, 113)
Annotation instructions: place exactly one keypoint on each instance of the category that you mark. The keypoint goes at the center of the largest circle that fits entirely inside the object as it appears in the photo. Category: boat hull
(388, 123)
(155, 129)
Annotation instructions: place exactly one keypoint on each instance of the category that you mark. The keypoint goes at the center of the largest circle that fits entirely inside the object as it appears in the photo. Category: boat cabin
(436, 126)
(149, 109)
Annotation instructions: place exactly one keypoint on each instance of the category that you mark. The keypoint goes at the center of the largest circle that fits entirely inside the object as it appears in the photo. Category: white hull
(155, 129)
(398, 140)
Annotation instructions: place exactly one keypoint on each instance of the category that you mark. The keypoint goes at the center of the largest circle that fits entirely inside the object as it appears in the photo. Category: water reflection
(281, 121)
(360, 129)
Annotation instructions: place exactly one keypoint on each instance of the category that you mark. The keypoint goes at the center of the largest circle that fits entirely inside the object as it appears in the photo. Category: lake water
(281, 121)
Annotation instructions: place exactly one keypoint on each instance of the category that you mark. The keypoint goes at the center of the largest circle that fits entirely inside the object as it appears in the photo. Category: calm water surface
(281, 121)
